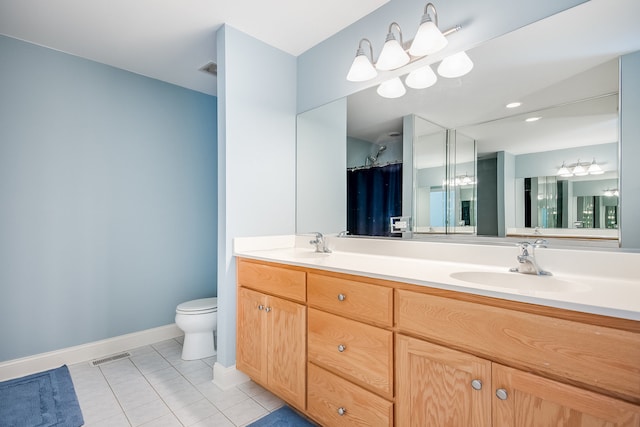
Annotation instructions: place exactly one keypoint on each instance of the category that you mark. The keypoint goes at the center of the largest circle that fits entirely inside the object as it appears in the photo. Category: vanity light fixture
(580, 169)
(456, 65)
(421, 78)
(428, 40)
(612, 192)
(362, 68)
(564, 171)
(594, 168)
(392, 88)
(393, 55)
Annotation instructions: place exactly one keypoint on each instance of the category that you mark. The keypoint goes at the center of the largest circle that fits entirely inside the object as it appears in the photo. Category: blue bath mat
(44, 399)
(283, 417)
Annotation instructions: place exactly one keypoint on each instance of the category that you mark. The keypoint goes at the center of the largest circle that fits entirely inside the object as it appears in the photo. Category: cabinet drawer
(596, 357)
(357, 300)
(328, 396)
(361, 353)
(271, 279)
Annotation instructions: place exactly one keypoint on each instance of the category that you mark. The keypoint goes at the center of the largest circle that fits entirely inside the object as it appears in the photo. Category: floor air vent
(110, 359)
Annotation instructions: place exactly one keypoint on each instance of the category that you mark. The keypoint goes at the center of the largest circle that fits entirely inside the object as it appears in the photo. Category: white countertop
(606, 283)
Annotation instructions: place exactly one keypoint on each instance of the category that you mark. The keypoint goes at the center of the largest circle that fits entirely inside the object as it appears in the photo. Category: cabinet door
(251, 335)
(437, 386)
(286, 322)
(527, 400)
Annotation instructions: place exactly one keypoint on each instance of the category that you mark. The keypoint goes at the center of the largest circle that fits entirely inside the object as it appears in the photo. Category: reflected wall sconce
(580, 169)
(612, 192)
(427, 41)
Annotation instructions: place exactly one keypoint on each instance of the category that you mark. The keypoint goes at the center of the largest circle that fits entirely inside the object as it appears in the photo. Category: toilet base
(198, 345)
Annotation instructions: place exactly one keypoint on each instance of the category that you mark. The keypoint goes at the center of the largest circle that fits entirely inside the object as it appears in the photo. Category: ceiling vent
(210, 67)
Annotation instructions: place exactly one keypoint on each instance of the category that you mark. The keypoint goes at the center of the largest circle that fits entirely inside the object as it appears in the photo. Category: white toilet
(198, 320)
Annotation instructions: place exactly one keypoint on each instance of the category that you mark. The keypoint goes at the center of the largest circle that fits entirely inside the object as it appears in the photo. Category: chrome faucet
(526, 259)
(321, 243)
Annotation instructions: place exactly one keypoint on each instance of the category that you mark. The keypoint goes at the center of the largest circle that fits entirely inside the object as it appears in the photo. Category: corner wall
(256, 158)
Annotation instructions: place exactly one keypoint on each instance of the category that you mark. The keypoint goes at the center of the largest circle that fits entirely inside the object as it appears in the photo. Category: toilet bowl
(198, 320)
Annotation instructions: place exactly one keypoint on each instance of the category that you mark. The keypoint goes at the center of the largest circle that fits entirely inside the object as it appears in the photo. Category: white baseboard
(227, 377)
(86, 352)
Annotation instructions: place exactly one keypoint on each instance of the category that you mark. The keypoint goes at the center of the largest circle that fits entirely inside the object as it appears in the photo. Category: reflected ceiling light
(429, 39)
(594, 168)
(456, 65)
(514, 104)
(421, 78)
(393, 55)
(362, 68)
(580, 169)
(532, 119)
(564, 171)
(392, 88)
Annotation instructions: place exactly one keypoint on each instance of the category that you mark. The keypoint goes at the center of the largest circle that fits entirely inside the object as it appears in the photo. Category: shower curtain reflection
(374, 195)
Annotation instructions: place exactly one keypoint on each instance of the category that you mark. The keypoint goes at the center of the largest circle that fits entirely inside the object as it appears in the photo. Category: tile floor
(155, 387)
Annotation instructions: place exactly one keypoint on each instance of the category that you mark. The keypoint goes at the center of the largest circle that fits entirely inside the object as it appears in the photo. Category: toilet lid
(203, 304)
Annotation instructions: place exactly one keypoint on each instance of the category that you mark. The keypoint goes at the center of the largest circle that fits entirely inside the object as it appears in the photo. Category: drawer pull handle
(341, 411)
(342, 297)
(268, 309)
(261, 307)
(502, 394)
(476, 384)
(341, 348)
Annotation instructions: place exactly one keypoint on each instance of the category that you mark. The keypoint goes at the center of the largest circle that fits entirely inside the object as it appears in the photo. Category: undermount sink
(517, 281)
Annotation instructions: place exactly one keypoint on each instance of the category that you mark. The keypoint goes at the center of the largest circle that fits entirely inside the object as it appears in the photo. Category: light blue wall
(257, 158)
(107, 200)
(323, 68)
(629, 150)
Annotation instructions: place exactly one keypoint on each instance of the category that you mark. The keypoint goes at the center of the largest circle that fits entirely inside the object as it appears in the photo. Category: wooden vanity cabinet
(350, 352)
(271, 331)
(462, 380)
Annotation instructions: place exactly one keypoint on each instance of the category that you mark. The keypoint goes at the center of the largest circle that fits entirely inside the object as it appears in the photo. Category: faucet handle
(524, 247)
(343, 233)
(540, 243)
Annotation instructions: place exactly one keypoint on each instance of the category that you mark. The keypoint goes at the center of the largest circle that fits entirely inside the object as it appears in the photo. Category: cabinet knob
(267, 309)
(476, 384)
(342, 411)
(341, 348)
(502, 394)
(261, 307)
(341, 297)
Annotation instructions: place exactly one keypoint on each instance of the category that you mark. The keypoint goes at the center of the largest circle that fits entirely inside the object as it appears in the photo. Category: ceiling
(171, 40)
(566, 57)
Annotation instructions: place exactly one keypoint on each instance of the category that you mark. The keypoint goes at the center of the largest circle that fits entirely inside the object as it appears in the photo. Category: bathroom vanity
(359, 338)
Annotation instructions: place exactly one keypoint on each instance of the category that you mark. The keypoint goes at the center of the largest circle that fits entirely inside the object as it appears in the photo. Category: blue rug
(283, 417)
(40, 400)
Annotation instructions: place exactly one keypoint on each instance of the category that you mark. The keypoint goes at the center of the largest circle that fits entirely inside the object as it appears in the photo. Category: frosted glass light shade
(361, 69)
(595, 169)
(428, 39)
(392, 56)
(456, 65)
(579, 170)
(421, 78)
(564, 171)
(391, 88)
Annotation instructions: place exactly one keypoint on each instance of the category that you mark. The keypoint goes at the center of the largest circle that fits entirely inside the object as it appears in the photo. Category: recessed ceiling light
(532, 119)
(514, 104)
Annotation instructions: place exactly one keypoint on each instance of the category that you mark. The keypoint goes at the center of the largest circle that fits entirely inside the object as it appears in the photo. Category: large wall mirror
(475, 167)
